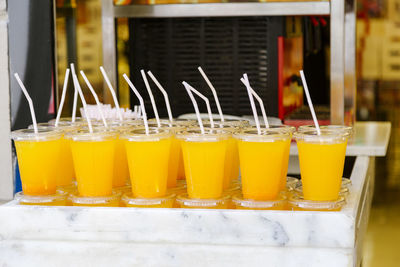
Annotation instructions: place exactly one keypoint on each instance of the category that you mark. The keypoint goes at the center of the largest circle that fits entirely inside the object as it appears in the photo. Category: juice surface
(66, 172)
(231, 170)
(261, 166)
(38, 164)
(174, 160)
(94, 166)
(121, 172)
(321, 168)
(148, 166)
(204, 168)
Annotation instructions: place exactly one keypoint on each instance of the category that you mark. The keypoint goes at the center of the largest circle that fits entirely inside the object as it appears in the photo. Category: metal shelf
(223, 9)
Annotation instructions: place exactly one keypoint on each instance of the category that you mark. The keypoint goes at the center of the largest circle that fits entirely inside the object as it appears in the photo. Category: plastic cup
(112, 200)
(189, 203)
(163, 202)
(204, 159)
(297, 202)
(148, 158)
(292, 182)
(231, 122)
(245, 204)
(321, 159)
(121, 171)
(262, 158)
(66, 121)
(341, 128)
(58, 199)
(93, 156)
(38, 156)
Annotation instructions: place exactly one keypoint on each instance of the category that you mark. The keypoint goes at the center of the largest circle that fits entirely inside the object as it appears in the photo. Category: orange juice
(262, 158)
(121, 171)
(321, 159)
(165, 202)
(204, 159)
(38, 159)
(148, 159)
(93, 156)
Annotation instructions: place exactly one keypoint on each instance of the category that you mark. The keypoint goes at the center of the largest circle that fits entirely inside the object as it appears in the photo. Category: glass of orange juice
(204, 160)
(121, 171)
(38, 158)
(321, 159)
(148, 158)
(93, 156)
(262, 160)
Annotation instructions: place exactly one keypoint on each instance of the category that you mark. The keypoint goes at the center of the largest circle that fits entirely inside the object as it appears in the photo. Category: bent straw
(253, 107)
(213, 91)
(165, 94)
(245, 80)
(196, 107)
(99, 109)
(114, 96)
(153, 103)
(30, 102)
(207, 103)
(79, 89)
(75, 94)
(314, 116)
(64, 91)
(135, 91)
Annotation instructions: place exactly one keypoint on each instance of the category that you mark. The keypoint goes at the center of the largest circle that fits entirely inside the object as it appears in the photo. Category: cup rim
(99, 134)
(43, 134)
(139, 134)
(327, 136)
(211, 135)
(267, 135)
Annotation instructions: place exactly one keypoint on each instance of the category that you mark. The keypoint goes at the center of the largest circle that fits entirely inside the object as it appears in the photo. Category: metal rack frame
(342, 35)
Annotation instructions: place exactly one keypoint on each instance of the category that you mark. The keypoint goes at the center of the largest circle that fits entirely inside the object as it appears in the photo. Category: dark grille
(224, 47)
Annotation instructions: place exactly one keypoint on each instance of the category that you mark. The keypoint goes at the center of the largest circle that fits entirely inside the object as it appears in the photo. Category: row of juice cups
(272, 143)
(287, 200)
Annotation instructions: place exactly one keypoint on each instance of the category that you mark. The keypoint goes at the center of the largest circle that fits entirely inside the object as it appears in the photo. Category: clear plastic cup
(341, 128)
(66, 121)
(189, 203)
(297, 202)
(58, 199)
(93, 156)
(204, 159)
(38, 158)
(247, 204)
(321, 159)
(113, 200)
(175, 122)
(241, 123)
(162, 202)
(262, 160)
(148, 159)
(346, 182)
(292, 182)
(121, 170)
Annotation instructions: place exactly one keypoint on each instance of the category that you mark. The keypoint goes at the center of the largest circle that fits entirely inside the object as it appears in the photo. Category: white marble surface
(182, 237)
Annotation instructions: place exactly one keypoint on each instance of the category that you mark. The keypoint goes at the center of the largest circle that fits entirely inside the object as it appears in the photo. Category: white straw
(99, 109)
(207, 104)
(196, 108)
(75, 103)
(64, 91)
(135, 91)
(245, 80)
(78, 88)
(30, 102)
(153, 103)
(112, 92)
(164, 93)
(253, 106)
(213, 91)
(303, 78)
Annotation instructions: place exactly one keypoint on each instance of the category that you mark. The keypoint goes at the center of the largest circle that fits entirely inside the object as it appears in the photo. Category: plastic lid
(281, 127)
(177, 122)
(99, 134)
(139, 134)
(128, 199)
(230, 128)
(298, 201)
(328, 136)
(76, 199)
(231, 122)
(67, 121)
(44, 134)
(344, 128)
(258, 204)
(64, 128)
(210, 135)
(40, 199)
(173, 127)
(194, 202)
(267, 135)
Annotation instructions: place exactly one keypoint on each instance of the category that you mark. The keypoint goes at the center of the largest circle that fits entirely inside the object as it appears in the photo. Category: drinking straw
(246, 82)
(207, 103)
(165, 94)
(79, 89)
(114, 96)
(314, 116)
(64, 91)
(214, 93)
(35, 128)
(135, 91)
(253, 107)
(99, 109)
(75, 94)
(153, 103)
(196, 107)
